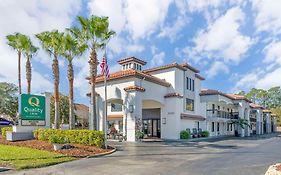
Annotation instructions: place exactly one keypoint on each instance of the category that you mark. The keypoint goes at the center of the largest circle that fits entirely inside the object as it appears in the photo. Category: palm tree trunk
(55, 68)
(28, 75)
(19, 71)
(70, 97)
(93, 73)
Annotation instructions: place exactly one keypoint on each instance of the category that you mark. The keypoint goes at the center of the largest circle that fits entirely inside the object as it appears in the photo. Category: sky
(236, 44)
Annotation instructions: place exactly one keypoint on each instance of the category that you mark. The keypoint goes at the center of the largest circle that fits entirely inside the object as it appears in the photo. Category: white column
(247, 117)
(48, 109)
(100, 113)
(133, 113)
(259, 121)
(241, 131)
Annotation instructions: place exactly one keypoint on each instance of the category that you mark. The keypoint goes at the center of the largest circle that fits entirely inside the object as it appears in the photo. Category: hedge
(205, 133)
(4, 131)
(184, 134)
(85, 137)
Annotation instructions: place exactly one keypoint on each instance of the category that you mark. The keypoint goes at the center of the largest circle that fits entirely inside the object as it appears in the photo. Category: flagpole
(105, 108)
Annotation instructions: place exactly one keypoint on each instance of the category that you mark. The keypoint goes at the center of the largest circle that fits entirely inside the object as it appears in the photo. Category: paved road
(214, 157)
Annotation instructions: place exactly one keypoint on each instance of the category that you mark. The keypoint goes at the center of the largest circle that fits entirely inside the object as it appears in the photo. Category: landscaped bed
(40, 151)
(22, 158)
(78, 150)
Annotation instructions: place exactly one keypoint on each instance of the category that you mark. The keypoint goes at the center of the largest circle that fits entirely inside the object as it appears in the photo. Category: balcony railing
(222, 114)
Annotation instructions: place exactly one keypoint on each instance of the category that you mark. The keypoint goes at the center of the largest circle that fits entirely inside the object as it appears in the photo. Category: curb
(103, 154)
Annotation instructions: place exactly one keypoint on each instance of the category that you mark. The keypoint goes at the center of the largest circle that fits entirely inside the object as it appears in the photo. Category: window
(218, 127)
(189, 105)
(218, 108)
(213, 108)
(192, 85)
(140, 67)
(126, 66)
(134, 65)
(123, 67)
(116, 107)
(213, 126)
(187, 83)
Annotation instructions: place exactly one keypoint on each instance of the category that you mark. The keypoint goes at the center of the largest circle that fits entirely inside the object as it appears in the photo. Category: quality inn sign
(32, 109)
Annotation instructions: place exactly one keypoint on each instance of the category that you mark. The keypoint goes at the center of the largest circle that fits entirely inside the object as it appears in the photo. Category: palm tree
(29, 51)
(72, 48)
(18, 42)
(93, 31)
(52, 43)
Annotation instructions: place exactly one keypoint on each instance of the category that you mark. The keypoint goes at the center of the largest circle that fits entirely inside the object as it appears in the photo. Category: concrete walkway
(247, 156)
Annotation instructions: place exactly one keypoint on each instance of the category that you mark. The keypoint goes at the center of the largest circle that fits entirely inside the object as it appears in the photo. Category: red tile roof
(126, 60)
(190, 67)
(230, 96)
(81, 107)
(168, 66)
(192, 117)
(174, 94)
(134, 88)
(266, 111)
(132, 73)
(252, 105)
(238, 97)
(199, 76)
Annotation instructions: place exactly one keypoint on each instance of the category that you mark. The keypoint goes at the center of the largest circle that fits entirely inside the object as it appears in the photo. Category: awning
(114, 117)
(192, 117)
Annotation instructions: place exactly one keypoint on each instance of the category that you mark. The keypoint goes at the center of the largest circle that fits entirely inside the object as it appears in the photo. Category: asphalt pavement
(221, 156)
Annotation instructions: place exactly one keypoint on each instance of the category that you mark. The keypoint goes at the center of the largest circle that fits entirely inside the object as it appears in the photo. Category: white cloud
(139, 18)
(222, 39)
(273, 52)
(259, 78)
(268, 15)
(145, 16)
(216, 68)
(172, 32)
(31, 17)
(158, 57)
(269, 80)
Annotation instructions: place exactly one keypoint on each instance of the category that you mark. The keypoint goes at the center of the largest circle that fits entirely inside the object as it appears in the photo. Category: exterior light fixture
(164, 121)
(131, 108)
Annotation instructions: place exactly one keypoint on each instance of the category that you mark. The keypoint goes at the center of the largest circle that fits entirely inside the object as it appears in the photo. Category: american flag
(104, 67)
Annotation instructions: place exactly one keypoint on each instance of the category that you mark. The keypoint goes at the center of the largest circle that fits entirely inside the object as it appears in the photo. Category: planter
(57, 146)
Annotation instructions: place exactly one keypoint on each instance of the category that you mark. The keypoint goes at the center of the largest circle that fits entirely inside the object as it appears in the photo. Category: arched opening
(151, 118)
(114, 118)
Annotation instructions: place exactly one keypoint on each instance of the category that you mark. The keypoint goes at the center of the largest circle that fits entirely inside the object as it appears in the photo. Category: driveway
(213, 157)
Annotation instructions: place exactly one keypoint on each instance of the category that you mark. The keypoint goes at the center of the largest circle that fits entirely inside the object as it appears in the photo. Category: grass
(23, 158)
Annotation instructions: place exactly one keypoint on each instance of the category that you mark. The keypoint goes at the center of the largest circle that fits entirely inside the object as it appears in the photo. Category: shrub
(85, 137)
(205, 133)
(58, 138)
(184, 134)
(139, 135)
(4, 131)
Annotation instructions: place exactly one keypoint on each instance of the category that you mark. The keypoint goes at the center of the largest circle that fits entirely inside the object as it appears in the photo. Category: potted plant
(139, 135)
(58, 140)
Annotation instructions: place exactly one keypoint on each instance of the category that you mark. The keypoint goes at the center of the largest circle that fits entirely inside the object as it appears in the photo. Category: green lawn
(22, 158)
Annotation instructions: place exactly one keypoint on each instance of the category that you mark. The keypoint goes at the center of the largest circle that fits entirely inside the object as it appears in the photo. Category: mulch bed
(77, 151)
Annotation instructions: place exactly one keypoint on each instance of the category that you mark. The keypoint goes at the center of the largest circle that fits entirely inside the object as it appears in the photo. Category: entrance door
(151, 127)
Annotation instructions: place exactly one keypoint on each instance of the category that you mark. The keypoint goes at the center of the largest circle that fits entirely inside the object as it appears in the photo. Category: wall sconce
(164, 121)
(131, 108)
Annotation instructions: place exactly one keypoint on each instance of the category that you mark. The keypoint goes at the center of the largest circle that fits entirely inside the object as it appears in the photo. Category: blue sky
(235, 44)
